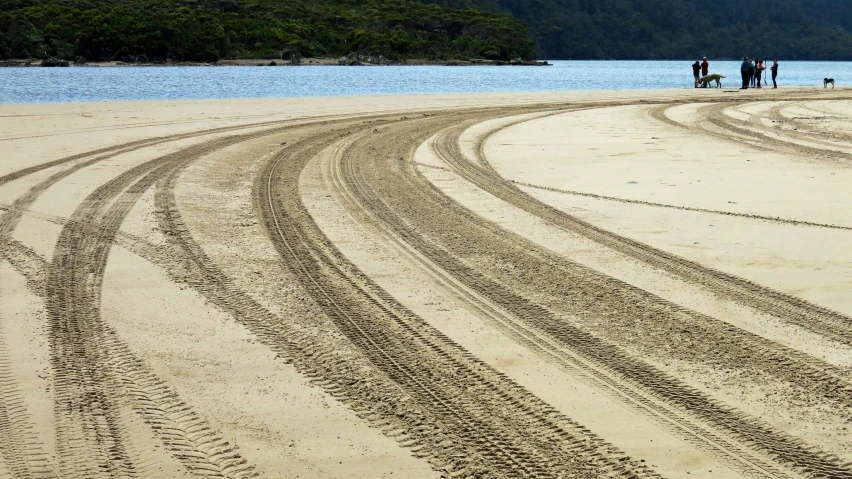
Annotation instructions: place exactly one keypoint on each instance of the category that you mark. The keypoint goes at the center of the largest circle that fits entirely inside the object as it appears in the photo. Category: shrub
(209, 55)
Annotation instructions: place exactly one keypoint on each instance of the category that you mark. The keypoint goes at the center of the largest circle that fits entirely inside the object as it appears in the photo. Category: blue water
(48, 85)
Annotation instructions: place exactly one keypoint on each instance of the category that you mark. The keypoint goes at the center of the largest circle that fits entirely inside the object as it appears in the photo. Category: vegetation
(681, 29)
(207, 30)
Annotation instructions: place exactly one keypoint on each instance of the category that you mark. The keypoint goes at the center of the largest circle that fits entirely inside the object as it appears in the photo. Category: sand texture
(558, 285)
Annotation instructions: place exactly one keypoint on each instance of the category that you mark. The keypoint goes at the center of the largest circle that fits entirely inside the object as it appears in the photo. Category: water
(48, 85)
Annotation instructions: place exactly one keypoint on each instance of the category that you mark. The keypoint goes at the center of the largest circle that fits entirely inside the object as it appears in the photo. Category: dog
(826, 81)
(705, 80)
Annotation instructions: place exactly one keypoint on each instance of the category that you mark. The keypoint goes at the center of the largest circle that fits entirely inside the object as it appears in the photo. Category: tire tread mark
(318, 262)
(371, 397)
(812, 317)
(786, 449)
(17, 253)
(672, 419)
(113, 150)
(18, 444)
(771, 219)
(87, 356)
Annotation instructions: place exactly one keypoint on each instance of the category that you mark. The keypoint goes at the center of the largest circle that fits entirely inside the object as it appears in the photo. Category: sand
(566, 284)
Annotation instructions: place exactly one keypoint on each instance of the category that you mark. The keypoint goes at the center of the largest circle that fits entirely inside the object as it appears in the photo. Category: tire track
(126, 127)
(88, 358)
(419, 431)
(115, 150)
(342, 383)
(335, 367)
(395, 340)
(776, 116)
(710, 112)
(836, 374)
(826, 112)
(755, 134)
(14, 422)
(180, 429)
(817, 319)
(451, 155)
(90, 223)
(771, 219)
(397, 373)
(24, 260)
(387, 182)
(761, 136)
(23, 454)
(674, 420)
(19, 448)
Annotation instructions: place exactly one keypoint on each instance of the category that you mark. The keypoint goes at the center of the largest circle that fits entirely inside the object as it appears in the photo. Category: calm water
(40, 85)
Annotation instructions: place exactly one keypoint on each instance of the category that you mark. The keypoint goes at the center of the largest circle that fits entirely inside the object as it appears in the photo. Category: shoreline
(261, 62)
(648, 96)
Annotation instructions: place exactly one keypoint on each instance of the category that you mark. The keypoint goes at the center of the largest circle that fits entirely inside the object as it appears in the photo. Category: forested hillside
(682, 29)
(442, 29)
(206, 30)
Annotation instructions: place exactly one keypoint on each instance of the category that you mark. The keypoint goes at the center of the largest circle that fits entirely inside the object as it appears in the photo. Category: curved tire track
(89, 360)
(13, 420)
(401, 375)
(386, 183)
(802, 313)
(531, 441)
(362, 203)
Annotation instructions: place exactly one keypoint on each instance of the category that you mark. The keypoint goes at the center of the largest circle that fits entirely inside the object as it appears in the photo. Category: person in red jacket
(705, 69)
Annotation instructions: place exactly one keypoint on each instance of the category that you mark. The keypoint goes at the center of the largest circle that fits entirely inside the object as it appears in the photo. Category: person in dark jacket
(745, 67)
(759, 72)
(696, 71)
(774, 70)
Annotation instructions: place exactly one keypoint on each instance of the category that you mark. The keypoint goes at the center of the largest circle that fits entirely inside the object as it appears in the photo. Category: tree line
(681, 29)
(208, 30)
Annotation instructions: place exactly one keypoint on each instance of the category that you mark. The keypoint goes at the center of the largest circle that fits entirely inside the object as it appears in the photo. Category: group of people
(753, 70)
(700, 69)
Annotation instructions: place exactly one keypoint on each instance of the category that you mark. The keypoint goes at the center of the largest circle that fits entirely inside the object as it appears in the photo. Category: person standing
(696, 71)
(744, 70)
(705, 69)
(758, 72)
(751, 71)
(774, 70)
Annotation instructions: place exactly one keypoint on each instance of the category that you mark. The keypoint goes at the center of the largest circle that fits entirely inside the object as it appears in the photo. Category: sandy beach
(627, 284)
